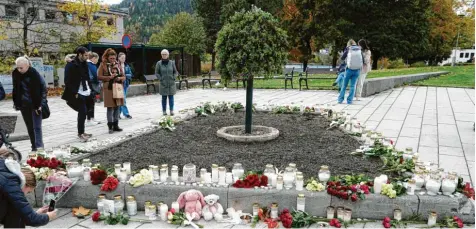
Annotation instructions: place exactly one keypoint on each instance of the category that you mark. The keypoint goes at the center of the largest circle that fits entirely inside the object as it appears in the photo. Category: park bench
(182, 78)
(303, 77)
(207, 77)
(149, 81)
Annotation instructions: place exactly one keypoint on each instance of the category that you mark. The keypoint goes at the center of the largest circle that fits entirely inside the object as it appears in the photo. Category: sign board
(60, 76)
(49, 74)
(126, 41)
(37, 63)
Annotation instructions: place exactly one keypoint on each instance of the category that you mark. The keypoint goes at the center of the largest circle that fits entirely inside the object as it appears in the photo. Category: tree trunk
(25, 31)
(213, 60)
(304, 64)
(249, 105)
(334, 54)
(375, 61)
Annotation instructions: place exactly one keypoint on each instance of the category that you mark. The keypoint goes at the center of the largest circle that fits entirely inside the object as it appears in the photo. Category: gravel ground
(304, 142)
(8, 123)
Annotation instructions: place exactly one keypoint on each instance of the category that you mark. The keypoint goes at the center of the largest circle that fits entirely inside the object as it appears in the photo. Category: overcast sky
(112, 1)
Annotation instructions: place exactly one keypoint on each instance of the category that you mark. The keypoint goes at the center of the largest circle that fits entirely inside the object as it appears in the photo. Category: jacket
(103, 75)
(76, 70)
(12, 198)
(2, 92)
(166, 75)
(93, 72)
(128, 73)
(344, 57)
(36, 92)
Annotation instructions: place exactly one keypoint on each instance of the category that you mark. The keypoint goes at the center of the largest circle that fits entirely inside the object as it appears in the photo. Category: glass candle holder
(122, 176)
(127, 166)
(255, 209)
(163, 175)
(87, 163)
(397, 214)
(163, 211)
(221, 175)
(279, 182)
(237, 171)
(299, 182)
(214, 173)
(330, 212)
(155, 172)
(324, 174)
(174, 174)
(273, 179)
(117, 168)
(229, 178)
(288, 178)
(294, 167)
(189, 173)
(152, 212)
(175, 206)
(301, 202)
(340, 213)
(203, 173)
(411, 187)
(408, 153)
(208, 178)
(432, 219)
(146, 207)
(131, 205)
(87, 173)
(100, 204)
(347, 215)
(166, 167)
(269, 170)
(118, 204)
(274, 211)
(74, 169)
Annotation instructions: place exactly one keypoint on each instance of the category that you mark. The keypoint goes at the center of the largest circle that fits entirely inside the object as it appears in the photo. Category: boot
(110, 125)
(116, 126)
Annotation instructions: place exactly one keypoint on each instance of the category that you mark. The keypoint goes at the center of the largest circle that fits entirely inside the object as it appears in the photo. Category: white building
(462, 56)
(44, 15)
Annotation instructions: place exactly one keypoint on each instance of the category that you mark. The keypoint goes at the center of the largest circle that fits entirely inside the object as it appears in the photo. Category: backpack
(354, 58)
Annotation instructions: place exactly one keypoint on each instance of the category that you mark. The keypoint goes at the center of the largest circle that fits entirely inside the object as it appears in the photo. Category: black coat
(37, 92)
(75, 71)
(12, 198)
(2, 92)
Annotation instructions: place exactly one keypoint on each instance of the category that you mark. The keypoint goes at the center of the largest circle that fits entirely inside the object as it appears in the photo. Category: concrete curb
(141, 89)
(373, 207)
(376, 85)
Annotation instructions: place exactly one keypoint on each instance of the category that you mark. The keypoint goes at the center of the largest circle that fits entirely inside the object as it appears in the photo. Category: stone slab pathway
(438, 122)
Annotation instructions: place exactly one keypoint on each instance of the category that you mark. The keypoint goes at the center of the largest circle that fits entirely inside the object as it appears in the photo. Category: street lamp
(457, 39)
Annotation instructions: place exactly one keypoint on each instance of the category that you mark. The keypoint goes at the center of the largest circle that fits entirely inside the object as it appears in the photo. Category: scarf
(84, 73)
(109, 67)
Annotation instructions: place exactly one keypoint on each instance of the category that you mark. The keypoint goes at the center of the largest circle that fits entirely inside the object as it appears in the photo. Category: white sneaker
(90, 123)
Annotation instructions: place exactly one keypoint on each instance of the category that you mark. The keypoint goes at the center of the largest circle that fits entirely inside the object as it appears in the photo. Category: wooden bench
(182, 78)
(207, 77)
(288, 77)
(150, 81)
(303, 77)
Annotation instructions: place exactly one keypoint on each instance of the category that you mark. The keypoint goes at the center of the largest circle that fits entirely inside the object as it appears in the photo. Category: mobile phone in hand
(52, 206)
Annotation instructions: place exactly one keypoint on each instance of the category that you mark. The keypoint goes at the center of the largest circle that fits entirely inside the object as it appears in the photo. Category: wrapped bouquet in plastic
(57, 185)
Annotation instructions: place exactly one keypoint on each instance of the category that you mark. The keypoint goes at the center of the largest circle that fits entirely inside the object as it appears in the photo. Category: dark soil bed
(8, 123)
(304, 142)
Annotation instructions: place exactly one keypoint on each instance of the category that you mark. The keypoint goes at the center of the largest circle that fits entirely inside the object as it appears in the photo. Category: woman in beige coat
(366, 67)
(108, 72)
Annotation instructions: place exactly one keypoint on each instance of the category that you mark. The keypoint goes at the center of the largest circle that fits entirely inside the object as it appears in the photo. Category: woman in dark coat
(15, 211)
(166, 72)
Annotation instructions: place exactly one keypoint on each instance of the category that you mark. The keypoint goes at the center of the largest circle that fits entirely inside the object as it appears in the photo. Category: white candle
(215, 173)
(383, 178)
(229, 178)
(127, 166)
(377, 185)
(163, 175)
(163, 211)
(208, 178)
(175, 206)
(222, 175)
(87, 174)
(273, 178)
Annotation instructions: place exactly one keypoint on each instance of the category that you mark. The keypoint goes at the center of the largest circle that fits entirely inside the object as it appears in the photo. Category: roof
(137, 45)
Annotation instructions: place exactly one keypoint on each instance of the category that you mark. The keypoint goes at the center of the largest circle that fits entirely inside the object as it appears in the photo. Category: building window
(11, 11)
(32, 12)
(461, 55)
(466, 55)
(472, 55)
(50, 15)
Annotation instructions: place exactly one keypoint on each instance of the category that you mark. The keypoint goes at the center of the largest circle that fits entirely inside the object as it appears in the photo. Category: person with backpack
(340, 72)
(354, 62)
(366, 67)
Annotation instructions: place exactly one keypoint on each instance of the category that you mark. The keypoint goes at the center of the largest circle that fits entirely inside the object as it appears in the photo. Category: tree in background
(207, 10)
(251, 43)
(91, 26)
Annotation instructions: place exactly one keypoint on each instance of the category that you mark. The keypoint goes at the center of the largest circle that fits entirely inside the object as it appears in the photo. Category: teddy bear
(193, 201)
(212, 209)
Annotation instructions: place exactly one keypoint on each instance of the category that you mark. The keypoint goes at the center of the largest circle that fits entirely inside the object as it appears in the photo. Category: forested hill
(147, 16)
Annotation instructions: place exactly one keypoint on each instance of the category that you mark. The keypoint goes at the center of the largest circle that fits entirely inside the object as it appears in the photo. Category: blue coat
(12, 198)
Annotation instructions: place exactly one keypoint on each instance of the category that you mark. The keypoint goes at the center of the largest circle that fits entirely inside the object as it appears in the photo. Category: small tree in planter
(251, 43)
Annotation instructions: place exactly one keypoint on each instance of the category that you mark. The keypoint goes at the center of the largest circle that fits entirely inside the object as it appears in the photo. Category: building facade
(46, 26)
(462, 56)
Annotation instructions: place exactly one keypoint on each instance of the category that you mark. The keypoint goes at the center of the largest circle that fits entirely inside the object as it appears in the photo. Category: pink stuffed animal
(193, 202)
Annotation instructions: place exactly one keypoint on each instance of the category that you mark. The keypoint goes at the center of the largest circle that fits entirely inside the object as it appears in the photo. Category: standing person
(109, 73)
(29, 94)
(78, 88)
(366, 67)
(354, 62)
(15, 211)
(68, 58)
(95, 88)
(2, 92)
(166, 72)
(126, 71)
(340, 72)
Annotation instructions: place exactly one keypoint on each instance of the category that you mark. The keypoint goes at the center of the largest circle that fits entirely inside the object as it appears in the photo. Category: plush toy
(192, 200)
(212, 209)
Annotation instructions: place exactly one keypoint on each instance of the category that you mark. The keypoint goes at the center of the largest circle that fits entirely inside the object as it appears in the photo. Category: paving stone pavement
(438, 122)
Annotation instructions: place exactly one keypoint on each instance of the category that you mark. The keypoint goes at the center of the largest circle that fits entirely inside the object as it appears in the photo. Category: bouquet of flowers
(181, 219)
(353, 187)
(141, 178)
(296, 219)
(97, 176)
(167, 122)
(110, 184)
(41, 162)
(56, 186)
(41, 173)
(251, 180)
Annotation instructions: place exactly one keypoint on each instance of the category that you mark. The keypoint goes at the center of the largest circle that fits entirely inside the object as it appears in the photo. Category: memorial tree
(251, 43)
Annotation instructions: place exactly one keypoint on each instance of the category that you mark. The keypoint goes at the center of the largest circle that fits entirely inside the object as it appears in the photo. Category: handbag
(45, 110)
(117, 91)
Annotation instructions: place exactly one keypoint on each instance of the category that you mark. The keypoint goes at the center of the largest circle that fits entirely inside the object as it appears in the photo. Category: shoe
(83, 137)
(110, 125)
(334, 84)
(116, 126)
(128, 117)
(90, 123)
(88, 135)
(164, 113)
(171, 113)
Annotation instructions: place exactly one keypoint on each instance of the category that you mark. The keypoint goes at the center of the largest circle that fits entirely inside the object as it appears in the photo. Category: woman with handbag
(113, 91)
(29, 96)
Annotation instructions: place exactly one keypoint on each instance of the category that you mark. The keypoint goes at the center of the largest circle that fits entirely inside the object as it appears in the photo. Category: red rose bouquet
(98, 176)
(296, 219)
(109, 184)
(252, 180)
(41, 162)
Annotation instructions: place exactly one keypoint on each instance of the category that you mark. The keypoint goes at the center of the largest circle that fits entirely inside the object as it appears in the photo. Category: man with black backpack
(354, 61)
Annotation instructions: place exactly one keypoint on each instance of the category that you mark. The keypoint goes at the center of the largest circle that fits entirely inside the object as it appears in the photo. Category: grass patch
(459, 76)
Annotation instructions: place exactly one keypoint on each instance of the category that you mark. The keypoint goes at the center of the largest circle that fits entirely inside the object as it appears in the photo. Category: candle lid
(325, 167)
(299, 177)
(164, 165)
(397, 210)
(411, 181)
(155, 168)
(409, 149)
(160, 203)
(292, 165)
(214, 166)
(151, 207)
(86, 160)
(126, 163)
(236, 164)
(151, 166)
(269, 166)
(298, 173)
(118, 197)
(131, 198)
(300, 195)
(222, 168)
(274, 205)
(433, 213)
(279, 177)
(102, 196)
(174, 169)
(117, 166)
